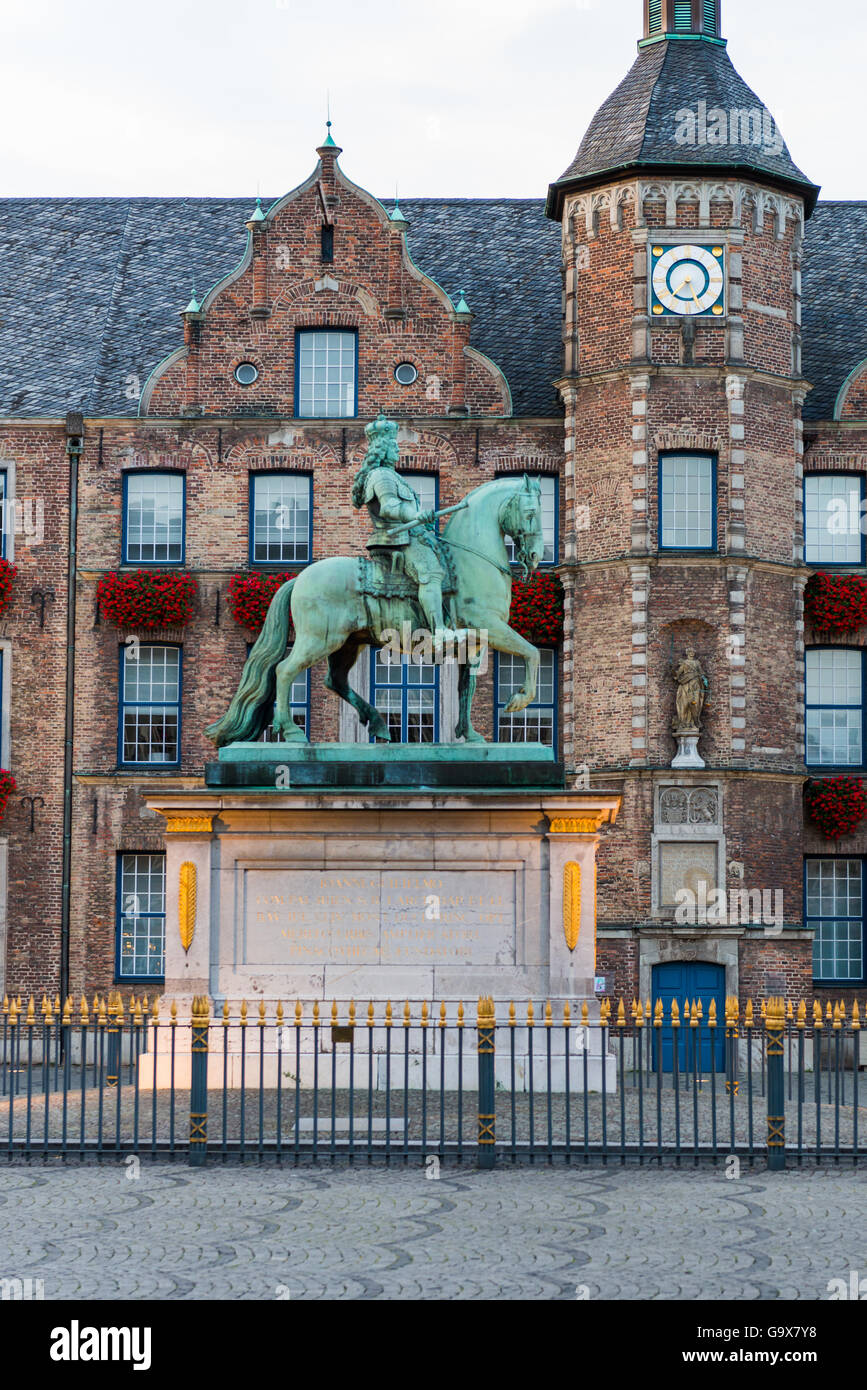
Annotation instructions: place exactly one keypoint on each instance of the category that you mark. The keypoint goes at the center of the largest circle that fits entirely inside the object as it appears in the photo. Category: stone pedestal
(375, 896)
(687, 754)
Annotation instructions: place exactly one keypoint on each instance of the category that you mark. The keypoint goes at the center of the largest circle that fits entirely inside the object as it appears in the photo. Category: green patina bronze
(414, 581)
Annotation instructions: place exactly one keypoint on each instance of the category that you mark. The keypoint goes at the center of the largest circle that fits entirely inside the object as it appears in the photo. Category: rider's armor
(390, 500)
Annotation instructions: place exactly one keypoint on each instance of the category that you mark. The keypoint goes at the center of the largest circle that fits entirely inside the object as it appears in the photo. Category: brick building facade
(694, 433)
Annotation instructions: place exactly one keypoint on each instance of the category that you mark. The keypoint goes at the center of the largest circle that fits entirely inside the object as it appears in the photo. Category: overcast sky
(464, 97)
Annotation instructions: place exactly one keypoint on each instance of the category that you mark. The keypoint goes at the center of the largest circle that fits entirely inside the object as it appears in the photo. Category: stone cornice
(690, 559)
(674, 370)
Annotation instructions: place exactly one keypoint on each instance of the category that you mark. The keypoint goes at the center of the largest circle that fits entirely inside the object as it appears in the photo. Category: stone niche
(687, 843)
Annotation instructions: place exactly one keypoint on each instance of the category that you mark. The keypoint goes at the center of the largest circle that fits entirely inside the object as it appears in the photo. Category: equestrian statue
(413, 579)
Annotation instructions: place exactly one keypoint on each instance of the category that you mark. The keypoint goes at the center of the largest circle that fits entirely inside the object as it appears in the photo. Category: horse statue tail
(253, 702)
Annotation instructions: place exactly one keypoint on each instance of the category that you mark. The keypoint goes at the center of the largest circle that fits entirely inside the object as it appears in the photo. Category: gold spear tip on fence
(567, 1014)
(856, 1014)
(352, 1013)
(775, 1012)
(406, 1014)
(486, 1015)
(748, 1014)
(621, 1015)
(548, 1019)
(201, 1010)
(31, 1011)
(585, 1013)
(279, 1013)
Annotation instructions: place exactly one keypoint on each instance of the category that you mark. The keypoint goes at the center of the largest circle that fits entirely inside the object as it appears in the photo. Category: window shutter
(710, 16)
(655, 17)
(683, 16)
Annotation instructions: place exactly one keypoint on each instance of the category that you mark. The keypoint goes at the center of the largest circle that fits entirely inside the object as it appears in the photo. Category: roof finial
(462, 307)
(194, 307)
(396, 215)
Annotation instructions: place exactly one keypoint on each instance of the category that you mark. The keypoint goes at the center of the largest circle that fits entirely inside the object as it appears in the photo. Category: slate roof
(91, 288)
(90, 291)
(637, 125)
(834, 289)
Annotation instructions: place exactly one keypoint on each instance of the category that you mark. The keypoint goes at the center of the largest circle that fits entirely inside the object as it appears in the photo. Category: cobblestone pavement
(365, 1233)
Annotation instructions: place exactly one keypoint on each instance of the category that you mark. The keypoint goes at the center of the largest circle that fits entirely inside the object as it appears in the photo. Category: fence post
(775, 1019)
(486, 1023)
(200, 1026)
(113, 1039)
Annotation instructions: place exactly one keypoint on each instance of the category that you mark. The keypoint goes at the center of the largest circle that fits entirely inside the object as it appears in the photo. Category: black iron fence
(775, 1083)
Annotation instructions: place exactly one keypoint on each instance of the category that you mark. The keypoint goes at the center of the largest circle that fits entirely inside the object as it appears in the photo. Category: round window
(246, 373)
(405, 373)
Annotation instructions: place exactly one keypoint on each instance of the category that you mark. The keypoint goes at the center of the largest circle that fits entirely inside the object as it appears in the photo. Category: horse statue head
(521, 518)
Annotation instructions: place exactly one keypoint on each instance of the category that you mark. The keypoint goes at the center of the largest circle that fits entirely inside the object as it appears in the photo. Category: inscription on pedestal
(377, 917)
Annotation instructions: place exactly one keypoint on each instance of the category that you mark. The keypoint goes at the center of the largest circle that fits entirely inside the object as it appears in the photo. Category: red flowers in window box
(835, 602)
(7, 575)
(249, 597)
(537, 608)
(7, 786)
(147, 599)
(836, 804)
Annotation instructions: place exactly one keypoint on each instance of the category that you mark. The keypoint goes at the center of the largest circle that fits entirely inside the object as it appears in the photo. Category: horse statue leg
(340, 663)
(504, 639)
(467, 676)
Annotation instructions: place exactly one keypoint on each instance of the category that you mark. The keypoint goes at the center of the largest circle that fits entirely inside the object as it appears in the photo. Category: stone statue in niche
(692, 686)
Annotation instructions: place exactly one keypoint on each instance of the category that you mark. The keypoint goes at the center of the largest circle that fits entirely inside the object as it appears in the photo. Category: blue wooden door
(687, 981)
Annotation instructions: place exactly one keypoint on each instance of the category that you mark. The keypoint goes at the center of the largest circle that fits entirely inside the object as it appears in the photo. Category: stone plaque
(376, 917)
(685, 865)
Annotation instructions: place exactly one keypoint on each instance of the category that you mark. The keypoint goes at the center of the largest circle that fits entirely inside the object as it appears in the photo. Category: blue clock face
(687, 280)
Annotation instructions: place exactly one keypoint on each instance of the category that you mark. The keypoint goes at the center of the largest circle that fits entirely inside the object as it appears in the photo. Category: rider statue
(391, 503)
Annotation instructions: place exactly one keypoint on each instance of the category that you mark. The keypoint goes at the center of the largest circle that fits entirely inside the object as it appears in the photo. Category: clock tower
(682, 219)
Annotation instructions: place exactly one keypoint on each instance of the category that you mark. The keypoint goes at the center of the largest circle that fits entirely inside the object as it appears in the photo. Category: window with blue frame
(834, 707)
(833, 514)
(538, 722)
(687, 502)
(326, 373)
(141, 916)
(281, 518)
(153, 518)
(406, 693)
(8, 520)
(550, 488)
(834, 908)
(150, 705)
(426, 488)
